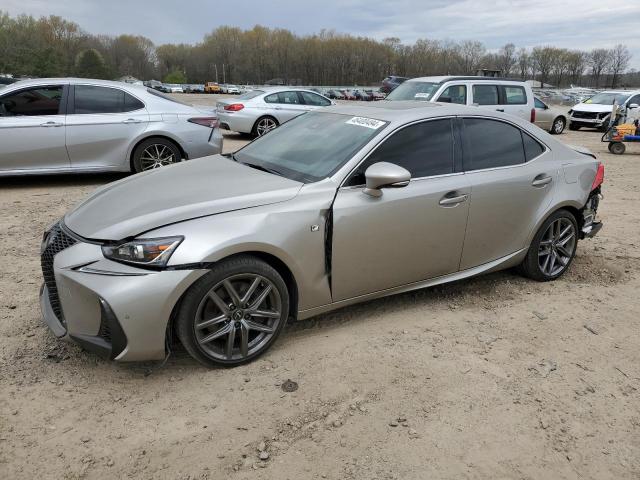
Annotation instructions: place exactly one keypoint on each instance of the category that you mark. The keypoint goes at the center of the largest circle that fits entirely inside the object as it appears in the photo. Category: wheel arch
(151, 136)
(571, 207)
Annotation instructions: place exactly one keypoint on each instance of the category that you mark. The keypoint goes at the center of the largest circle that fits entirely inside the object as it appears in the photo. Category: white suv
(509, 96)
(596, 111)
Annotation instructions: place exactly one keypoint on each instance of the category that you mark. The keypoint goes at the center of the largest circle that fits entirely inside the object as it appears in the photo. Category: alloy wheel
(265, 125)
(558, 126)
(156, 156)
(557, 247)
(237, 317)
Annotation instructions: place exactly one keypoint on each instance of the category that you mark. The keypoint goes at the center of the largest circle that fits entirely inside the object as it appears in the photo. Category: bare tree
(620, 57)
(507, 59)
(576, 63)
(599, 61)
(524, 62)
(543, 59)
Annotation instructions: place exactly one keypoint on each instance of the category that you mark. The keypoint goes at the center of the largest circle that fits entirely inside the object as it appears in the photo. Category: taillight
(234, 107)
(599, 177)
(210, 122)
(533, 115)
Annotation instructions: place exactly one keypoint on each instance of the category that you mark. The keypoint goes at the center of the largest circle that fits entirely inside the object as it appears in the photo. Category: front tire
(234, 313)
(552, 249)
(155, 153)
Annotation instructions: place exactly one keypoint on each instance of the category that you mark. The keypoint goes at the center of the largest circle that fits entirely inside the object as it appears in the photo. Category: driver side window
(32, 102)
(454, 94)
(425, 149)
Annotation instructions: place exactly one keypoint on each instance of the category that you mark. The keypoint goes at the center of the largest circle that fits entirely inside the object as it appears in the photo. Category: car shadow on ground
(61, 180)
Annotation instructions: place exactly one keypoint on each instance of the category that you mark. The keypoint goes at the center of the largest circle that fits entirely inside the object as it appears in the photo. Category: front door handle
(447, 201)
(51, 124)
(500, 110)
(541, 181)
(131, 120)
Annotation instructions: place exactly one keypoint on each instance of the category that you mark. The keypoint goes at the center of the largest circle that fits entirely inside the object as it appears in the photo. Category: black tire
(257, 130)
(574, 126)
(166, 149)
(617, 148)
(197, 304)
(531, 266)
(558, 125)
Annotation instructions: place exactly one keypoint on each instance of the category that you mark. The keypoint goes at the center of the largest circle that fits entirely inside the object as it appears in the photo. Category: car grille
(56, 241)
(591, 115)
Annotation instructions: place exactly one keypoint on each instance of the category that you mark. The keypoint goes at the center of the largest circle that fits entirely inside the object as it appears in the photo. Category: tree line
(53, 47)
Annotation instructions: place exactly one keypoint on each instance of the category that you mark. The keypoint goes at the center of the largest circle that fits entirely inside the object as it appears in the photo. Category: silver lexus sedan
(62, 125)
(332, 208)
(259, 111)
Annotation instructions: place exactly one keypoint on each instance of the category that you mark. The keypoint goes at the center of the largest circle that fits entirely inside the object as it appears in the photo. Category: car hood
(187, 190)
(592, 107)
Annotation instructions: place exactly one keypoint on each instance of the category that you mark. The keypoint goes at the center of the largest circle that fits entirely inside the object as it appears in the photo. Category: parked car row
(366, 95)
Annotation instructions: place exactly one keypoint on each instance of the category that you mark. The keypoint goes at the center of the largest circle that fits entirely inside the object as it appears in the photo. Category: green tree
(175, 76)
(90, 64)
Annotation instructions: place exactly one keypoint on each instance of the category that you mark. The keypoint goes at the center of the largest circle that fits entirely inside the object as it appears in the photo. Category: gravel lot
(494, 377)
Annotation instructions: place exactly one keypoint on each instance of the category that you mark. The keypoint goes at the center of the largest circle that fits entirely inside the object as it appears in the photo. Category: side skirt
(499, 264)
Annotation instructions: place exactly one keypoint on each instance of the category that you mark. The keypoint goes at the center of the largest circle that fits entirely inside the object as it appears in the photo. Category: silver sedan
(330, 209)
(259, 111)
(549, 118)
(62, 125)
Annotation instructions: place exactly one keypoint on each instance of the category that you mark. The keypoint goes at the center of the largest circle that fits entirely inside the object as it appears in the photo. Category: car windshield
(414, 91)
(250, 95)
(310, 147)
(605, 98)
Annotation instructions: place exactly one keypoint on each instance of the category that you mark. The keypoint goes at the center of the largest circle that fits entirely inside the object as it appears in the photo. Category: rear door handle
(452, 201)
(51, 124)
(131, 120)
(500, 110)
(541, 181)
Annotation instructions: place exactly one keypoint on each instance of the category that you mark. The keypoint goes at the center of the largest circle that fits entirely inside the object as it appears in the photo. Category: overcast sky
(580, 24)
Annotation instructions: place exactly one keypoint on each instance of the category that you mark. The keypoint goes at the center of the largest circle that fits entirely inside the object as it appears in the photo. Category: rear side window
(289, 98)
(313, 99)
(492, 144)
(454, 94)
(273, 98)
(538, 103)
(32, 102)
(425, 149)
(532, 147)
(514, 95)
(91, 99)
(485, 94)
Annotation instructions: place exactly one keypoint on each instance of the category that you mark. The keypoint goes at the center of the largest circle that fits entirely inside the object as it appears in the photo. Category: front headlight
(153, 252)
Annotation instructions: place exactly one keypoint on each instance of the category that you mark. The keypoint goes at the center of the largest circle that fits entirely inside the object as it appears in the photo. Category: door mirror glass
(385, 175)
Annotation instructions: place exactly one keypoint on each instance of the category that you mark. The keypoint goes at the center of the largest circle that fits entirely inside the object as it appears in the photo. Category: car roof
(74, 81)
(403, 111)
(452, 78)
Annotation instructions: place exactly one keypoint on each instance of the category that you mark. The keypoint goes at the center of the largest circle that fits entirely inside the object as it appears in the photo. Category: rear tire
(155, 153)
(234, 313)
(557, 127)
(264, 125)
(617, 148)
(552, 249)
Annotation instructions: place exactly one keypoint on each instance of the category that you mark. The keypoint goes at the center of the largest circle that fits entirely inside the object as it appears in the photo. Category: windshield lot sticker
(365, 122)
(421, 95)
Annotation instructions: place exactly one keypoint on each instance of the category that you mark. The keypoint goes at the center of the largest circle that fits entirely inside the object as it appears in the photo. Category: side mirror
(634, 105)
(445, 99)
(385, 175)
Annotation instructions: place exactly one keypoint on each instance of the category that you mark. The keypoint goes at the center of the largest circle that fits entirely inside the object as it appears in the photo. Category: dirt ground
(496, 377)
